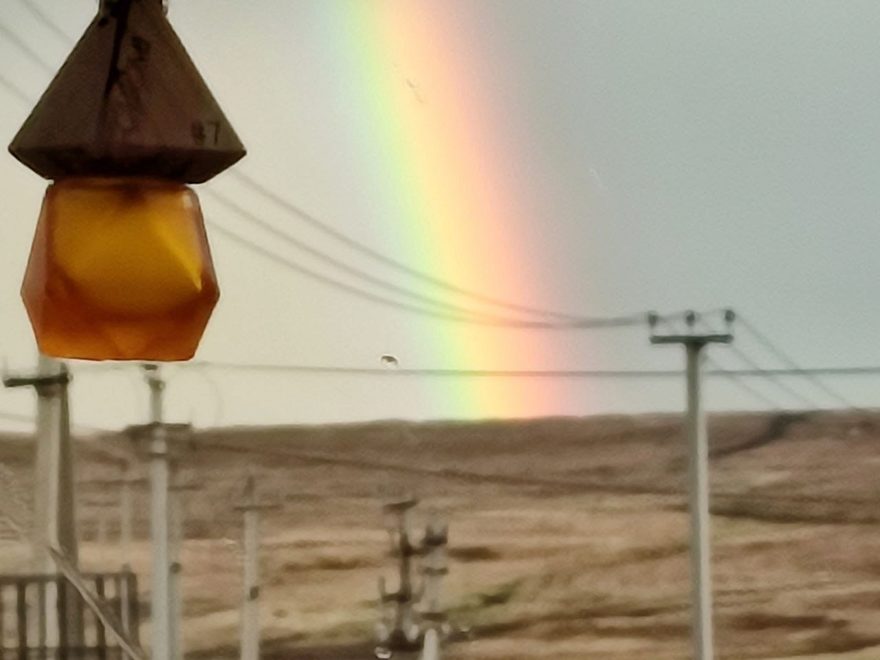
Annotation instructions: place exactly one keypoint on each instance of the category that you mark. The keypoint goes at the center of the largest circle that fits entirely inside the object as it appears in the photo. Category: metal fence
(43, 617)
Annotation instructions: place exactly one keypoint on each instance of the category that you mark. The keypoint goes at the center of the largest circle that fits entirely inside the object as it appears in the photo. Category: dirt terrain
(568, 536)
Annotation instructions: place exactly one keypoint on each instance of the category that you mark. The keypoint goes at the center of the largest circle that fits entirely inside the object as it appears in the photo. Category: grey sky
(675, 154)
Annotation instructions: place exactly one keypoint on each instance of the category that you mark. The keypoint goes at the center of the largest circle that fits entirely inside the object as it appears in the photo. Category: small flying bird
(388, 360)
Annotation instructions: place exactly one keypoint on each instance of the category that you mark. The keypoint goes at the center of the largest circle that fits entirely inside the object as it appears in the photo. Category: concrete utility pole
(698, 477)
(54, 515)
(177, 535)
(160, 595)
(156, 435)
(250, 608)
(54, 497)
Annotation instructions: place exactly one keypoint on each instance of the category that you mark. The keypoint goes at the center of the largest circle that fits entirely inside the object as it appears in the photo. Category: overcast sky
(646, 155)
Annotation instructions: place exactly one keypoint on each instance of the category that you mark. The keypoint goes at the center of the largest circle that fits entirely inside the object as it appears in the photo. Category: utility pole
(250, 608)
(156, 436)
(177, 534)
(160, 594)
(698, 475)
(54, 497)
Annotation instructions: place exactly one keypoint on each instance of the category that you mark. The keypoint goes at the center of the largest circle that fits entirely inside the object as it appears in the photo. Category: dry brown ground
(569, 536)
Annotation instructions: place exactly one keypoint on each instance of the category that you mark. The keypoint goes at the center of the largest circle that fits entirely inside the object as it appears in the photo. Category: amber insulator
(120, 269)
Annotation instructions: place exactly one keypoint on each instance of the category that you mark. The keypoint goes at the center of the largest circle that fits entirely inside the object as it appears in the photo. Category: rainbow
(432, 146)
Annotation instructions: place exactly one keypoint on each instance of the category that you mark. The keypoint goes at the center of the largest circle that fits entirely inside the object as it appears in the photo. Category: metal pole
(698, 476)
(161, 649)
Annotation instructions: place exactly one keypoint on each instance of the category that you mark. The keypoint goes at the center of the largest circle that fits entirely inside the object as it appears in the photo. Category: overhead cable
(26, 49)
(483, 320)
(760, 371)
(795, 368)
(47, 22)
(737, 379)
(415, 273)
(15, 90)
(338, 263)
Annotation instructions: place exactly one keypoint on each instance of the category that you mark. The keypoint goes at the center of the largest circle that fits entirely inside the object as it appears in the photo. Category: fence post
(63, 603)
(134, 606)
(21, 612)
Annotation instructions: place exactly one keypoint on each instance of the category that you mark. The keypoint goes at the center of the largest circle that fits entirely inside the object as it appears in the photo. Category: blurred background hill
(568, 536)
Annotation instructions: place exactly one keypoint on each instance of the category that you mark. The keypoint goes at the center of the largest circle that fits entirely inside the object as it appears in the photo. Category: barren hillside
(568, 536)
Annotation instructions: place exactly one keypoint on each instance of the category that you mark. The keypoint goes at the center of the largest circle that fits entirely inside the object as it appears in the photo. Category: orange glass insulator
(120, 269)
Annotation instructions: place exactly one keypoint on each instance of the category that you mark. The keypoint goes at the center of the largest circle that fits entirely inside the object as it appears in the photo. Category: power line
(423, 311)
(338, 263)
(455, 373)
(774, 378)
(25, 49)
(43, 18)
(478, 316)
(783, 357)
(384, 259)
(717, 371)
(15, 90)
(760, 371)
(737, 379)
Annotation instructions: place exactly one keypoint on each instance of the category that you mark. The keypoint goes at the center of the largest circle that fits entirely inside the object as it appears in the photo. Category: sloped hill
(569, 536)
